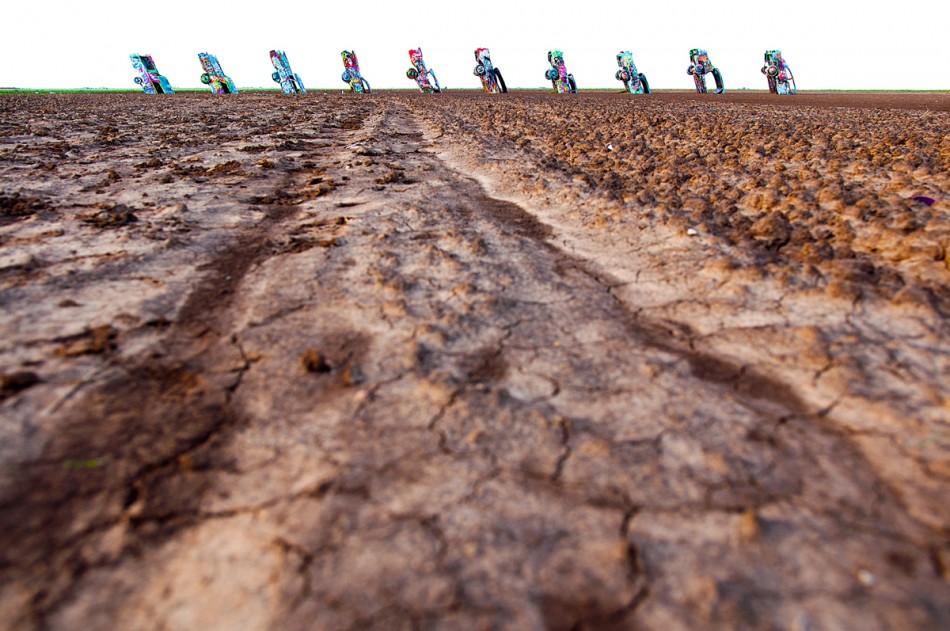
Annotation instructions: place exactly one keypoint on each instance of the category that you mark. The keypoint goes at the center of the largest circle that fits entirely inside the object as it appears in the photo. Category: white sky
(828, 44)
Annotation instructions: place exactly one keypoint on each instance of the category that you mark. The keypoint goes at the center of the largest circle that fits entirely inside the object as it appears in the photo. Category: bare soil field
(463, 362)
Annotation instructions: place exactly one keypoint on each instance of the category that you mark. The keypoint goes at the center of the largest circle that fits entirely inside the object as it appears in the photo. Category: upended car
(699, 67)
(289, 80)
(779, 75)
(634, 81)
(421, 74)
(214, 77)
(352, 74)
(148, 77)
(492, 81)
(562, 81)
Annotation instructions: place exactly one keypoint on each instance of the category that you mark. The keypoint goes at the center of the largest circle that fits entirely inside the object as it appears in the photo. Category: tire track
(151, 421)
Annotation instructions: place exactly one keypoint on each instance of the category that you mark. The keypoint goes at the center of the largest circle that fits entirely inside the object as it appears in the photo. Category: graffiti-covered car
(289, 80)
(492, 81)
(214, 77)
(562, 81)
(779, 75)
(423, 76)
(352, 74)
(699, 67)
(634, 81)
(148, 77)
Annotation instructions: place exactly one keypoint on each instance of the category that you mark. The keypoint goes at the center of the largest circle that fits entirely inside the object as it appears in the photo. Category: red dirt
(527, 362)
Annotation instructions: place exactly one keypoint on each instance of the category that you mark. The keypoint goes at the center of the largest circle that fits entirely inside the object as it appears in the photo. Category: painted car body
(634, 81)
(214, 77)
(778, 73)
(558, 75)
(289, 81)
(699, 67)
(492, 81)
(148, 77)
(352, 74)
(421, 74)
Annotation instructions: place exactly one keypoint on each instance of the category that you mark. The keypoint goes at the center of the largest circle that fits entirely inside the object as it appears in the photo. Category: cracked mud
(445, 363)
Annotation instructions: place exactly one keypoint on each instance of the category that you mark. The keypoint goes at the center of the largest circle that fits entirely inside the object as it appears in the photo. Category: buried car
(148, 77)
(779, 75)
(289, 80)
(214, 77)
(558, 75)
(420, 73)
(699, 67)
(352, 74)
(492, 81)
(634, 81)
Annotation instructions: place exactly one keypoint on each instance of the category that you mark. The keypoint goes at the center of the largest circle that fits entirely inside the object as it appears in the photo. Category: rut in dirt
(147, 420)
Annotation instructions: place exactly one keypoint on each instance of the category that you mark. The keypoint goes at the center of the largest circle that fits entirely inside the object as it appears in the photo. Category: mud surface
(534, 362)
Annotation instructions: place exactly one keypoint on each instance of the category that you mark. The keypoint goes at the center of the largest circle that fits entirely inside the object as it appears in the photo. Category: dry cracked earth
(460, 362)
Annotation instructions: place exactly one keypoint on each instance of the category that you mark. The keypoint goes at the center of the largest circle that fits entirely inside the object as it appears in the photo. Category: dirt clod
(773, 229)
(16, 206)
(110, 215)
(93, 341)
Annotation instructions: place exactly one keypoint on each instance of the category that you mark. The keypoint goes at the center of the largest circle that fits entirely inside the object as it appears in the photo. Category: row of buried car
(777, 72)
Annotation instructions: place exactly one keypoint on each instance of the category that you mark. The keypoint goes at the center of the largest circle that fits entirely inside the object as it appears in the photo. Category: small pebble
(692, 232)
(866, 578)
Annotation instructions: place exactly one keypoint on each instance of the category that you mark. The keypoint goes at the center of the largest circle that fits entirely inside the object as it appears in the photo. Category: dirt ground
(531, 361)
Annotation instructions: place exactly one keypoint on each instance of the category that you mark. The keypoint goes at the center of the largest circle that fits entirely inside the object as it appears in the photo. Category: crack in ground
(565, 427)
